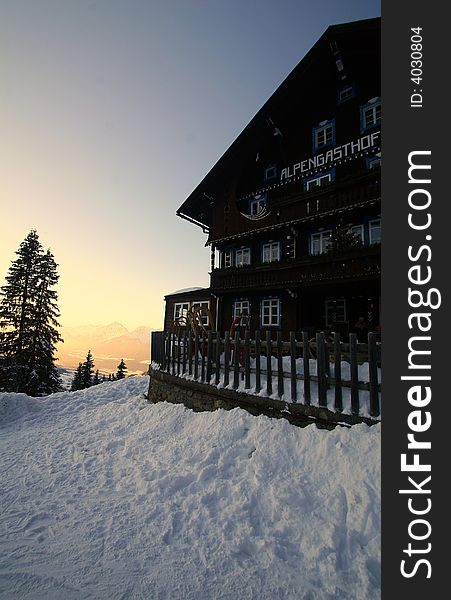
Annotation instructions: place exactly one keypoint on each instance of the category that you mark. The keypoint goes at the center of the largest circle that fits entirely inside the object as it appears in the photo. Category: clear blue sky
(112, 111)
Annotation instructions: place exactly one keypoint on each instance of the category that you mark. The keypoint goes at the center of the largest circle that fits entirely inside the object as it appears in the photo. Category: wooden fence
(226, 362)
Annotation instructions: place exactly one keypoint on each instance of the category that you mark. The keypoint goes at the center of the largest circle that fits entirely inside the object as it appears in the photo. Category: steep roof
(197, 207)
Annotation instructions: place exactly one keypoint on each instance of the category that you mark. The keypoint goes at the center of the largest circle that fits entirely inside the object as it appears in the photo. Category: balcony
(358, 264)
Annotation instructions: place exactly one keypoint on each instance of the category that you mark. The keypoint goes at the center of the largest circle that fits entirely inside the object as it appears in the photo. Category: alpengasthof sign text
(332, 156)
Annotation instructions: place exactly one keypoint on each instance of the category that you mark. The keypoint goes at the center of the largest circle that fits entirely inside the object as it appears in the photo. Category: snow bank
(106, 496)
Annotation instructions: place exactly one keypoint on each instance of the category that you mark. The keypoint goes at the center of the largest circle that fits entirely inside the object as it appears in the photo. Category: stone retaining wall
(202, 397)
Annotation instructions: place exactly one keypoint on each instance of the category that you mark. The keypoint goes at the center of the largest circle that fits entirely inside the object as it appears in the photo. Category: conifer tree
(87, 371)
(96, 379)
(343, 238)
(77, 380)
(28, 322)
(121, 369)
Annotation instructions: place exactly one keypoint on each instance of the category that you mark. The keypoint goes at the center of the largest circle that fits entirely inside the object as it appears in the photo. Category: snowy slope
(105, 496)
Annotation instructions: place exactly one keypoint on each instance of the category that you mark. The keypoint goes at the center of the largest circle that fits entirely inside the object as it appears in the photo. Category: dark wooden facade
(280, 203)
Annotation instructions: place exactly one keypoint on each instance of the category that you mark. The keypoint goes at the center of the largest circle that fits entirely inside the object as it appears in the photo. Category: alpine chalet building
(292, 210)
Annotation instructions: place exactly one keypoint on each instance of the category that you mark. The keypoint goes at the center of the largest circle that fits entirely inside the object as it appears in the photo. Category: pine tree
(87, 371)
(28, 321)
(96, 379)
(343, 238)
(45, 335)
(121, 369)
(77, 380)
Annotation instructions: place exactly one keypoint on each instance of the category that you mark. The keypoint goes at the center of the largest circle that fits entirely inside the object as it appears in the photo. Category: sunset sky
(112, 111)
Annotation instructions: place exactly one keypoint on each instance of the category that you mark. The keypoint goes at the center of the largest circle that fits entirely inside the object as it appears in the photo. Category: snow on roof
(185, 290)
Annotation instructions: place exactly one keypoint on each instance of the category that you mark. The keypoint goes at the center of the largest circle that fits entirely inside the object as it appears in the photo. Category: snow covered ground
(105, 496)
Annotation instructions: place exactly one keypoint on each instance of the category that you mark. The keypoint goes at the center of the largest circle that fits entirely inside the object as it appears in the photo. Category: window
(335, 311)
(375, 231)
(227, 259)
(243, 257)
(271, 172)
(271, 252)
(370, 114)
(374, 162)
(241, 307)
(180, 310)
(320, 241)
(324, 135)
(346, 93)
(318, 181)
(270, 312)
(204, 313)
(257, 205)
(357, 230)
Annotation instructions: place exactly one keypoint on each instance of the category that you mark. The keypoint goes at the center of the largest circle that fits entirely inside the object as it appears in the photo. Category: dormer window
(271, 172)
(324, 135)
(346, 93)
(370, 114)
(374, 162)
(318, 181)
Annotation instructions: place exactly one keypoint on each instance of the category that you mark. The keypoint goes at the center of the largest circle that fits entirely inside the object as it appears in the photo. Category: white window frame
(370, 230)
(331, 304)
(324, 238)
(180, 309)
(346, 93)
(318, 181)
(324, 136)
(227, 259)
(242, 257)
(204, 317)
(374, 162)
(272, 251)
(371, 114)
(239, 306)
(269, 316)
(271, 172)
(358, 231)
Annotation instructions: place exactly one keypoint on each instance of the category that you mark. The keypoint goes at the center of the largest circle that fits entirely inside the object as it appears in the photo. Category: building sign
(332, 156)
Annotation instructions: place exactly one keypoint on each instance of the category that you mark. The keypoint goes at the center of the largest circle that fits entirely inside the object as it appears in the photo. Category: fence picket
(258, 386)
(209, 356)
(293, 366)
(354, 374)
(321, 362)
(247, 360)
(372, 362)
(184, 354)
(236, 361)
(178, 353)
(226, 359)
(306, 363)
(268, 363)
(203, 352)
(168, 348)
(280, 383)
(217, 358)
(337, 373)
(196, 356)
